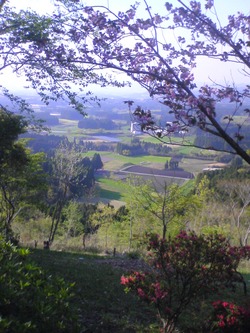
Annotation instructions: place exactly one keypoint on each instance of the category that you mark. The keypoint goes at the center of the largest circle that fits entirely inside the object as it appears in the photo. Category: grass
(114, 161)
(100, 300)
(188, 187)
(110, 189)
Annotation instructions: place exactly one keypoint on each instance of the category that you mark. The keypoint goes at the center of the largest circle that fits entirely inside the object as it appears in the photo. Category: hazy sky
(206, 69)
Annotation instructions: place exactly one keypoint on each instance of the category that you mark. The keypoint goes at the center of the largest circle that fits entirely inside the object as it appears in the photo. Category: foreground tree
(21, 175)
(75, 43)
(35, 47)
(141, 47)
(71, 175)
(102, 220)
(166, 207)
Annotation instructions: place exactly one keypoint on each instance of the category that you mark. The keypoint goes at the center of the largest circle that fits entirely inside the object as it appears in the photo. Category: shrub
(31, 300)
(185, 269)
(230, 318)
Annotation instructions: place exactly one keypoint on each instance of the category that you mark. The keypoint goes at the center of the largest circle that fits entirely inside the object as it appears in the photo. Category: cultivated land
(117, 168)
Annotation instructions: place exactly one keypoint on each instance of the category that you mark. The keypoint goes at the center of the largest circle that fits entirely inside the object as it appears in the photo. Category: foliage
(11, 126)
(185, 269)
(72, 219)
(167, 206)
(77, 220)
(97, 162)
(32, 45)
(70, 175)
(45, 143)
(97, 123)
(230, 318)
(103, 218)
(237, 195)
(141, 46)
(239, 174)
(21, 174)
(31, 300)
(227, 204)
(142, 148)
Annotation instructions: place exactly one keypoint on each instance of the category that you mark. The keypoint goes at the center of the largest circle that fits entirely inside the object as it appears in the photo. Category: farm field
(142, 170)
(117, 168)
(115, 162)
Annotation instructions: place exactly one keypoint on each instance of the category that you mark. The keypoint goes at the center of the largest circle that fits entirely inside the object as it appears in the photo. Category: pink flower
(225, 304)
(221, 323)
(124, 280)
(141, 293)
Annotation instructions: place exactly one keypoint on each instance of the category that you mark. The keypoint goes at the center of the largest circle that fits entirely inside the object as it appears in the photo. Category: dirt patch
(217, 165)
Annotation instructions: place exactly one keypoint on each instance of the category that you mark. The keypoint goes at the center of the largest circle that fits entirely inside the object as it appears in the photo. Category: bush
(230, 318)
(185, 270)
(30, 300)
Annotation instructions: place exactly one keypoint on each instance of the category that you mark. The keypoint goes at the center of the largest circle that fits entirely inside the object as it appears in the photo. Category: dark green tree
(21, 174)
(97, 162)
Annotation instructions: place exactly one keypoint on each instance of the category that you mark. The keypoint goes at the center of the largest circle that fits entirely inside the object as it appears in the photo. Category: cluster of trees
(71, 176)
(99, 146)
(228, 207)
(209, 140)
(22, 178)
(97, 123)
(138, 147)
(220, 206)
(173, 163)
(42, 142)
(49, 142)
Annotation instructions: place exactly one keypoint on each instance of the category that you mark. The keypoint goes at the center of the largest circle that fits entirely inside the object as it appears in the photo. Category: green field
(70, 129)
(115, 162)
(110, 189)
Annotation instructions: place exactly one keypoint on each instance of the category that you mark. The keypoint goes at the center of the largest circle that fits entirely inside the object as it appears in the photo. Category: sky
(207, 70)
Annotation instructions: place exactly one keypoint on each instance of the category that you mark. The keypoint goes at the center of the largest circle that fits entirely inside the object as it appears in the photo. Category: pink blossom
(141, 293)
(124, 280)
